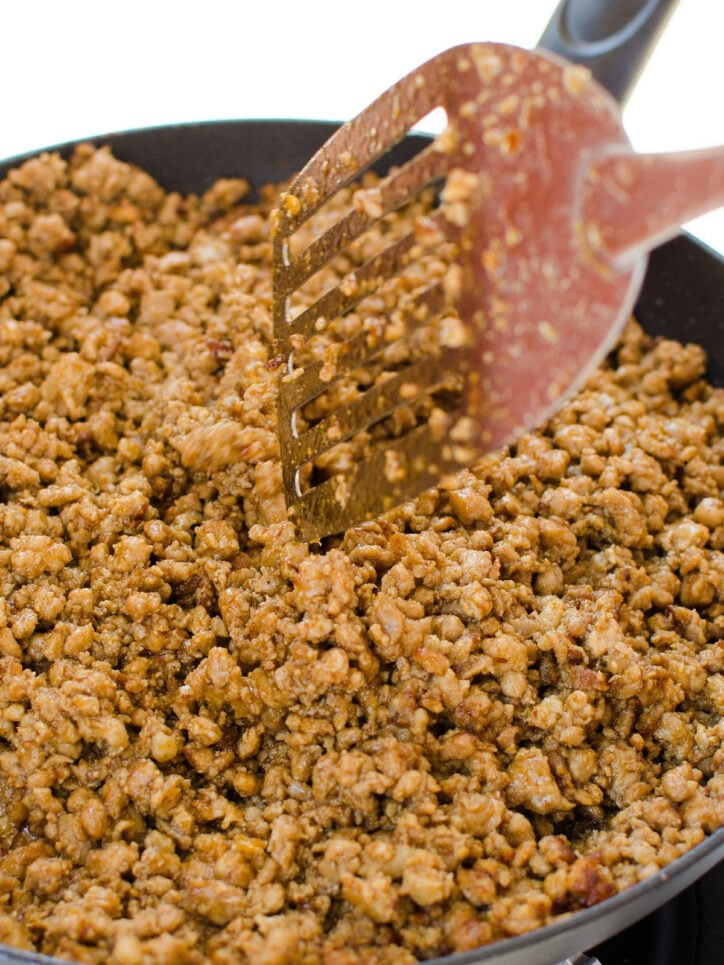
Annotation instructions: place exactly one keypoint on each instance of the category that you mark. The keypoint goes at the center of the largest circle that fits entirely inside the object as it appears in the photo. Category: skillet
(682, 298)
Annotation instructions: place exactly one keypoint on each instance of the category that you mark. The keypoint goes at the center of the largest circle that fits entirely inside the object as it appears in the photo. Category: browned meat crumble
(498, 704)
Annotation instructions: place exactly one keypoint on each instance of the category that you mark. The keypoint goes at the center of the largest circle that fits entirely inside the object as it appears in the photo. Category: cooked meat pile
(496, 705)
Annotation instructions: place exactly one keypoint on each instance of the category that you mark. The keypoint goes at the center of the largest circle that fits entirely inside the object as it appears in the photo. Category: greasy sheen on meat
(498, 704)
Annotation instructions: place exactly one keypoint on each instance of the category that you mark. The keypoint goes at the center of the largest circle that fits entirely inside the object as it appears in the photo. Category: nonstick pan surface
(682, 298)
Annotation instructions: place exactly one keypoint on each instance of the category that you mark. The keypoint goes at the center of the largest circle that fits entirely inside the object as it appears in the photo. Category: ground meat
(496, 705)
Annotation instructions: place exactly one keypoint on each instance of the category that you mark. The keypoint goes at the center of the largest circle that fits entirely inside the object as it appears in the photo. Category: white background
(76, 68)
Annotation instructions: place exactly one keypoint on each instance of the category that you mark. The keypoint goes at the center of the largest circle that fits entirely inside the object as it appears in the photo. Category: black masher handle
(613, 38)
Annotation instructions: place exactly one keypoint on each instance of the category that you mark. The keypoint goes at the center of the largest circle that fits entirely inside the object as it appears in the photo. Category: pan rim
(106, 138)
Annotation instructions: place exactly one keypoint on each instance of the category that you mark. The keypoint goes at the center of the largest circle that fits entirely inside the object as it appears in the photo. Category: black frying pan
(682, 298)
